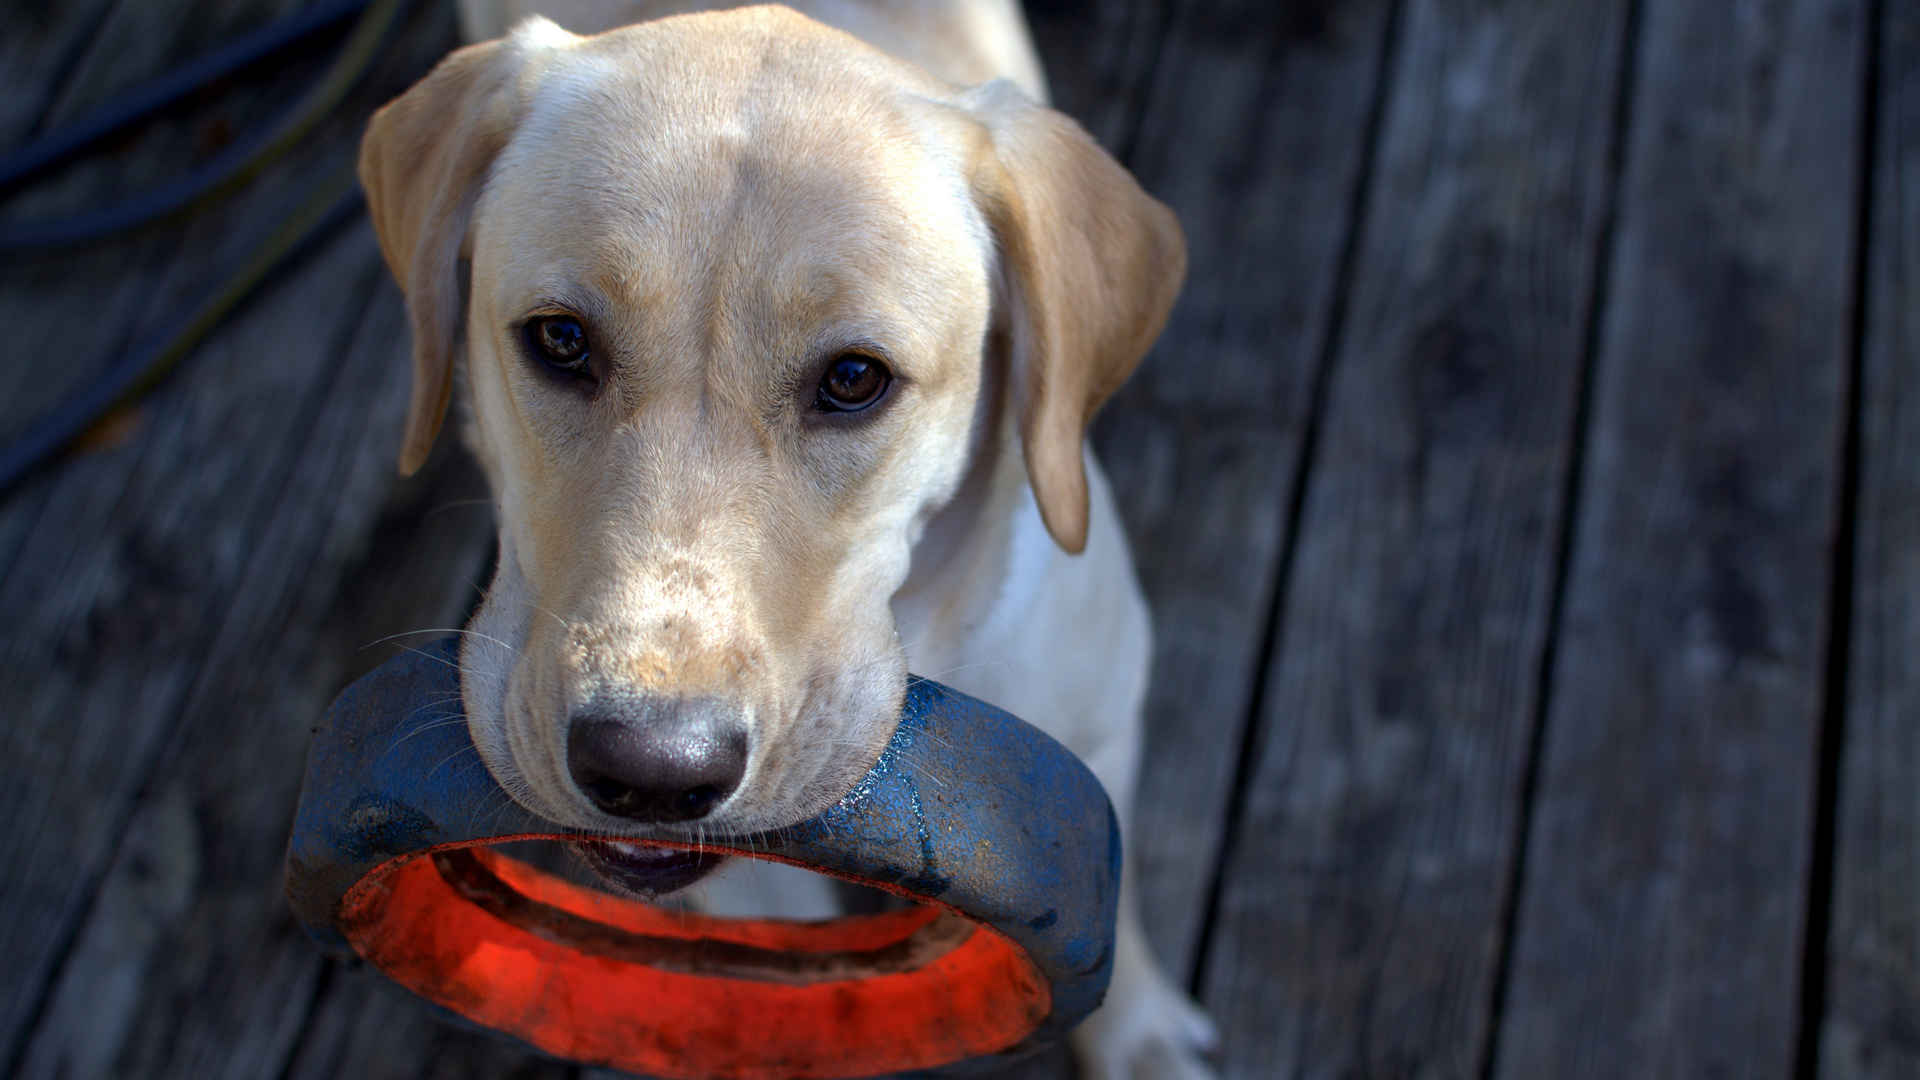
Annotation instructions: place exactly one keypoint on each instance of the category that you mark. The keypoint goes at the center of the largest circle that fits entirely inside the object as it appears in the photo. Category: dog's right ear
(423, 161)
(1092, 265)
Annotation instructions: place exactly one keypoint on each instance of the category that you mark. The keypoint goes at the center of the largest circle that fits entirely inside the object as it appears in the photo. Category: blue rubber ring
(1012, 831)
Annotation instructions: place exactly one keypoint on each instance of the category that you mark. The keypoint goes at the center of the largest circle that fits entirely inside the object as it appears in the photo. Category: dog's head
(737, 294)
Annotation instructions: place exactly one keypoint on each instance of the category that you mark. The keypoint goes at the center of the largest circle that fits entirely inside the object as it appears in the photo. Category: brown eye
(560, 342)
(852, 383)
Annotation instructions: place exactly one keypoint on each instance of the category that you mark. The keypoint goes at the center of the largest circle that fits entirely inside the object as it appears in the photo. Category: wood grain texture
(1660, 917)
(1872, 1023)
(116, 596)
(239, 974)
(1099, 59)
(97, 302)
(1362, 912)
(123, 588)
(1203, 446)
(100, 300)
(181, 604)
(37, 53)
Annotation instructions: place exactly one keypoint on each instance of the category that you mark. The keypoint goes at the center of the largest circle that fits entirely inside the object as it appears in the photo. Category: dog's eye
(852, 382)
(561, 344)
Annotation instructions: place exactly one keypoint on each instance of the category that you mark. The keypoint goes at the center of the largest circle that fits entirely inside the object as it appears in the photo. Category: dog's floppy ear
(423, 161)
(1092, 265)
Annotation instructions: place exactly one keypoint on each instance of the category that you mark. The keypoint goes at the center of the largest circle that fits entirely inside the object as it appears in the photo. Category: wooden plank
(1253, 134)
(1663, 897)
(38, 52)
(115, 595)
(134, 44)
(100, 298)
(124, 40)
(1099, 59)
(1362, 911)
(238, 976)
(1872, 1022)
(123, 584)
(109, 297)
(137, 43)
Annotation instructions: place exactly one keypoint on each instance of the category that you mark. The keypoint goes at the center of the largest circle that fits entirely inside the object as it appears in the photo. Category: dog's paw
(1147, 1032)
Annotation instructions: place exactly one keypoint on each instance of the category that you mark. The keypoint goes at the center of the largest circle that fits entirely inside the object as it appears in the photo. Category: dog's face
(738, 289)
(722, 354)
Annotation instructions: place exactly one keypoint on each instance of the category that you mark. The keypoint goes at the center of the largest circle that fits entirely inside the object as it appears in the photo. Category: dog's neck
(979, 563)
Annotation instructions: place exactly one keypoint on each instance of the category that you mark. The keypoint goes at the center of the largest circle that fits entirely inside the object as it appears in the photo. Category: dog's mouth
(647, 872)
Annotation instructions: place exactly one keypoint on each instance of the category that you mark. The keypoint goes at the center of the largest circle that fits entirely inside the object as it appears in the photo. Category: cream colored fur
(726, 201)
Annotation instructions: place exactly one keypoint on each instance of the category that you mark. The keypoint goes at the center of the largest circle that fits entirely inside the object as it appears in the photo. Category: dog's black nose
(655, 760)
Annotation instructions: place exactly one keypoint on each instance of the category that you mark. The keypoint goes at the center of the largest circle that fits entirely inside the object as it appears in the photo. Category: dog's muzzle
(1002, 839)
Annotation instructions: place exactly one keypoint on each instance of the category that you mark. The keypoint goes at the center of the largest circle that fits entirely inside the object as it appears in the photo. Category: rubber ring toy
(1004, 841)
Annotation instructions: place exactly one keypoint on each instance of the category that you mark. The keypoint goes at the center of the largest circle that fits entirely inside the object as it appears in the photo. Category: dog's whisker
(422, 729)
(551, 614)
(944, 673)
(438, 630)
(419, 725)
(456, 753)
(436, 659)
(437, 701)
(495, 804)
(457, 504)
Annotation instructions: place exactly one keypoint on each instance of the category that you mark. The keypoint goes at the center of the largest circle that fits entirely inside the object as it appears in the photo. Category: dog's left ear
(423, 162)
(1092, 265)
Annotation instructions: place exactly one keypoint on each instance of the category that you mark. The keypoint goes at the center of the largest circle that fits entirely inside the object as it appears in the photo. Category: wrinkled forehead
(641, 177)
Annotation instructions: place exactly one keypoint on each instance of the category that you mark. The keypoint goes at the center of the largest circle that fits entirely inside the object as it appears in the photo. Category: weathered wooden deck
(1527, 487)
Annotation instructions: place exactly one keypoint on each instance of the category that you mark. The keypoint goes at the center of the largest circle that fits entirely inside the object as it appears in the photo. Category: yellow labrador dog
(782, 331)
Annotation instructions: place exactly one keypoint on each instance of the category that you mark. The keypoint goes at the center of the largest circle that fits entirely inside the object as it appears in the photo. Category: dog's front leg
(1148, 1027)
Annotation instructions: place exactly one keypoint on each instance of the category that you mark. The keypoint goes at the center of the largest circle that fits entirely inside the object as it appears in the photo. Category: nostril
(609, 794)
(666, 765)
(697, 802)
